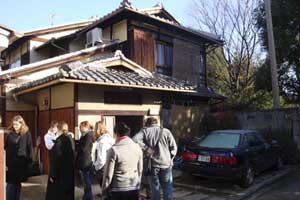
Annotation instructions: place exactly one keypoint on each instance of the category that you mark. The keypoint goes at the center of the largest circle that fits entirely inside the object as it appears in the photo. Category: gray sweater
(124, 167)
(166, 148)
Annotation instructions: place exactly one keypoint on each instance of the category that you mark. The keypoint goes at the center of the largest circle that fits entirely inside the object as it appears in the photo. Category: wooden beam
(113, 112)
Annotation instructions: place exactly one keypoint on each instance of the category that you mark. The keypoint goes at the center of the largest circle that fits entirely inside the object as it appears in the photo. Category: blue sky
(24, 15)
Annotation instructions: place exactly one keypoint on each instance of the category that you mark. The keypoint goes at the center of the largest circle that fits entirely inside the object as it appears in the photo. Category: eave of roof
(61, 27)
(50, 62)
(210, 38)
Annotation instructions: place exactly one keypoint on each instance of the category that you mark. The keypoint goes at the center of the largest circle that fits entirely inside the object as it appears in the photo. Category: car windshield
(220, 140)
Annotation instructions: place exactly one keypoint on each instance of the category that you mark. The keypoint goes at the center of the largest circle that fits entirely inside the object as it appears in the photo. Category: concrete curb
(250, 191)
(247, 193)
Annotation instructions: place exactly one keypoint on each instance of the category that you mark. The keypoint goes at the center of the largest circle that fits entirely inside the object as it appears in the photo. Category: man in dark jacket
(84, 158)
(160, 145)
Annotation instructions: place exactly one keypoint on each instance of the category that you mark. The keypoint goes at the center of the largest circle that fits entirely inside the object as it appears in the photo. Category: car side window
(260, 137)
(252, 140)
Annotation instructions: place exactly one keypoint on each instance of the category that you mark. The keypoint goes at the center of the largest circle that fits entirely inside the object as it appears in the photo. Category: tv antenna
(52, 16)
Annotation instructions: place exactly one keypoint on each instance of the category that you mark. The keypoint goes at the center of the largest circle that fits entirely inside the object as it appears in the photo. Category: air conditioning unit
(94, 37)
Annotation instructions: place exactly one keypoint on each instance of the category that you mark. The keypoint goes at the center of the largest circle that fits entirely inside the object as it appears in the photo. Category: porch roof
(116, 71)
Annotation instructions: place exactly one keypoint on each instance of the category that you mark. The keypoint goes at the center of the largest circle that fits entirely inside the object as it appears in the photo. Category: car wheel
(278, 164)
(248, 177)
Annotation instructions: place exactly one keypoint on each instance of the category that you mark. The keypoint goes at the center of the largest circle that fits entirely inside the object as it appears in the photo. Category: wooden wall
(143, 49)
(43, 126)
(44, 119)
(64, 114)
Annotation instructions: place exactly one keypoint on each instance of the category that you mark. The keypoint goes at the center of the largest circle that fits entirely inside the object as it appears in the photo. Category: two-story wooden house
(125, 66)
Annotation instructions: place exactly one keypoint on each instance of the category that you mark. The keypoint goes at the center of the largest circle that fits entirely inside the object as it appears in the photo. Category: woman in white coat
(104, 141)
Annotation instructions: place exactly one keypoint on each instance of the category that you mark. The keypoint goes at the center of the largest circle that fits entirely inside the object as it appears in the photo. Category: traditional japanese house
(125, 66)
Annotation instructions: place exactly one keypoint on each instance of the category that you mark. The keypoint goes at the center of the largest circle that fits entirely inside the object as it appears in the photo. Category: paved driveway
(185, 188)
(287, 188)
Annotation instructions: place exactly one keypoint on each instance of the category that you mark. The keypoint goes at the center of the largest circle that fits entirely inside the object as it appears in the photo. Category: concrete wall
(283, 121)
(186, 61)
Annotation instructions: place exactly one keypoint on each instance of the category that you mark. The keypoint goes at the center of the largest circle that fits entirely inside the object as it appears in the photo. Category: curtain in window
(160, 57)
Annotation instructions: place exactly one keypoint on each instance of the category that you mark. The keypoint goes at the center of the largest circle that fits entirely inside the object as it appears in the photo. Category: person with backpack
(160, 146)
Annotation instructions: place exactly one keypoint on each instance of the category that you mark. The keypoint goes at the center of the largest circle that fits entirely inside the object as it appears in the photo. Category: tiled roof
(94, 73)
(97, 72)
(112, 76)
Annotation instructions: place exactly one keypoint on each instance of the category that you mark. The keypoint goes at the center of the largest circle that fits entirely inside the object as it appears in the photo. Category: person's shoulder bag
(149, 156)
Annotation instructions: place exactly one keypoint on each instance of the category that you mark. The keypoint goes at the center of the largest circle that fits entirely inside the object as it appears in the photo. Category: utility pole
(272, 54)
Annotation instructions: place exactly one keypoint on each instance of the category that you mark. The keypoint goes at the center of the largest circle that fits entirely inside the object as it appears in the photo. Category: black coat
(18, 150)
(84, 156)
(61, 170)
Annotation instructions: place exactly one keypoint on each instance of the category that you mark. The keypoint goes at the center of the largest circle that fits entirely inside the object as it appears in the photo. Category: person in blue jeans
(159, 144)
(84, 158)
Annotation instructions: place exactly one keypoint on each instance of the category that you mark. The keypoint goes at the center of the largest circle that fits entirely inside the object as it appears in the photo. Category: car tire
(279, 163)
(248, 177)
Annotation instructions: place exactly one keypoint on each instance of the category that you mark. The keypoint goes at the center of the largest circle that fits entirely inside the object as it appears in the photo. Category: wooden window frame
(164, 67)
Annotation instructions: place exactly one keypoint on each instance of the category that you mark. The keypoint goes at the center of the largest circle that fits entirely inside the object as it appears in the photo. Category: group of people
(118, 162)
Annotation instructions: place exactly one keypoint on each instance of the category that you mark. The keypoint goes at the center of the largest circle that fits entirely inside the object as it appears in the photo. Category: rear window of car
(220, 140)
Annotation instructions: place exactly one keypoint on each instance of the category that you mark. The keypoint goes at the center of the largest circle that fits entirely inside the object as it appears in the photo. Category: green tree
(286, 25)
(231, 68)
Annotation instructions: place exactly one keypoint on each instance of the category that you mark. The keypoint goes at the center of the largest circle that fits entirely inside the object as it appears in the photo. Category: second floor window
(15, 64)
(164, 58)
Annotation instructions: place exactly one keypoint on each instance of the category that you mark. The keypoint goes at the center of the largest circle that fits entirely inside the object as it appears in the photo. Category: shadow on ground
(35, 189)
